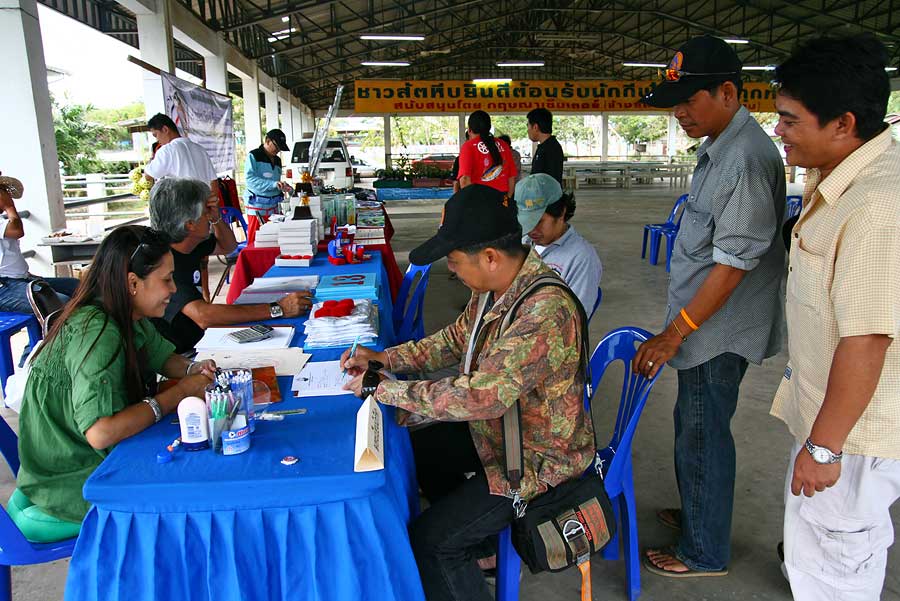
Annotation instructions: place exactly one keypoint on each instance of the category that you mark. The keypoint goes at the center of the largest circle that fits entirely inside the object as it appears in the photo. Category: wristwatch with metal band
(822, 455)
(275, 310)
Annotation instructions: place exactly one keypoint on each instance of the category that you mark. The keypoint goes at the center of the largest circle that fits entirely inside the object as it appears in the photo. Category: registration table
(247, 527)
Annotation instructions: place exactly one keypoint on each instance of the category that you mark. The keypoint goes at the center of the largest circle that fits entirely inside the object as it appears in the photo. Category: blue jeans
(705, 459)
(14, 298)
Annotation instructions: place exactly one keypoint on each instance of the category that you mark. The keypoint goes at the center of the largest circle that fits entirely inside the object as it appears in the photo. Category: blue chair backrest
(596, 302)
(621, 345)
(231, 214)
(409, 322)
(9, 446)
(674, 214)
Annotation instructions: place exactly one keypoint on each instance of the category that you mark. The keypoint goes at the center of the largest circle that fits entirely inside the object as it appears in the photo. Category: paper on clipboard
(322, 378)
(369, 452)
(286, 362)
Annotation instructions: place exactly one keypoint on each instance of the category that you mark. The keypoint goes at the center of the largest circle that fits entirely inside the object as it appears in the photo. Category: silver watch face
(821, 456)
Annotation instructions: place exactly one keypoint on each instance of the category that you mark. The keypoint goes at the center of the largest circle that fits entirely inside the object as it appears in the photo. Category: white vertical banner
(203, 116)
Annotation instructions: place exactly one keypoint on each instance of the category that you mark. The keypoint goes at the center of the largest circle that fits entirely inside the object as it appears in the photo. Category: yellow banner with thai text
(382, 96)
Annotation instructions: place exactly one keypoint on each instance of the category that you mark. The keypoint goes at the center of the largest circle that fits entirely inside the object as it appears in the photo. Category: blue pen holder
(235, 442)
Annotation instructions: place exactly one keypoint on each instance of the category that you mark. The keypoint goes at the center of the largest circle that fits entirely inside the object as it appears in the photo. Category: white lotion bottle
(194, 420)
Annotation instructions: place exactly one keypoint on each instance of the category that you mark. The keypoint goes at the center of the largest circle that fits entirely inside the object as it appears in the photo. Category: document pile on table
(347, 285)
(270, 290)
(326, 332)
(267, 234)
(299, 237)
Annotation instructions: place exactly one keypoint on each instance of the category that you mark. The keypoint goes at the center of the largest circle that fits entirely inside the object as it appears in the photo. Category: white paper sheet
(284, 284)
(369, 452)
(217, 339)
(322, 378)
(286, 362)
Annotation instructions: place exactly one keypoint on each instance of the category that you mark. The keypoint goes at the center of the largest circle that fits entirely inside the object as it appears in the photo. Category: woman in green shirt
(87, 386)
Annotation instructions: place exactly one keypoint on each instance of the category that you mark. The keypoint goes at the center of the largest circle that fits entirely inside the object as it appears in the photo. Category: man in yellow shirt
(840, 395)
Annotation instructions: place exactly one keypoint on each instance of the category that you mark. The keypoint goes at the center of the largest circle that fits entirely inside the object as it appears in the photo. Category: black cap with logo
(474, 215)
(700, 63)
(277, 136)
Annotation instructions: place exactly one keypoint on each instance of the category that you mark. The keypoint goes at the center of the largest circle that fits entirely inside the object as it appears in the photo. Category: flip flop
(670, 551)
(670, 518)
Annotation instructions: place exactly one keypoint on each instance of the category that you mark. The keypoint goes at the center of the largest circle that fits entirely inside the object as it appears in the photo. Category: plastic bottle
(194, 420)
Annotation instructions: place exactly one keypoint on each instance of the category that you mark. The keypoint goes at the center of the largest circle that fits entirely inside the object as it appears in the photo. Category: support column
(271, 109)
(604, 144)
(157, 48)
(252, 126)
(387, 141)
(287, 120)
(29, 153)
(216, 71)
(297, 116)
(671, 138)
(462, 130)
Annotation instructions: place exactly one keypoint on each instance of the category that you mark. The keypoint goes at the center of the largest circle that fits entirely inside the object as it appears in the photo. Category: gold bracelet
(677, 329)
(688, 320)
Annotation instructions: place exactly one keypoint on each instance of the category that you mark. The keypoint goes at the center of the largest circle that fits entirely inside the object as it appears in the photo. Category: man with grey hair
(188, 212)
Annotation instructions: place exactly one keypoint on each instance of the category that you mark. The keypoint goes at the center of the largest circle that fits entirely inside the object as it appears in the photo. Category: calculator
(252, 334)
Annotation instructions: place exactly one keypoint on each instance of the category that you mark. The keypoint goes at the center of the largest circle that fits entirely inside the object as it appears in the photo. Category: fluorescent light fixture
(283, 32)
(492, 80)
(384, 64)
(735, 41)
(285, 19)
(401, 37)
(522, 64)
(647, 65)
(759, 67)
(890, 68)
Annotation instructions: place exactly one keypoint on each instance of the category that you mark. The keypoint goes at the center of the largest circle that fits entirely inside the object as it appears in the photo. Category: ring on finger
(649, 363)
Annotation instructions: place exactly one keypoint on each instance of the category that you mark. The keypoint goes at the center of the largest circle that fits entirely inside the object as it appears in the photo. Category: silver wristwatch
(275, 310)
(822, 455)
(154, 405)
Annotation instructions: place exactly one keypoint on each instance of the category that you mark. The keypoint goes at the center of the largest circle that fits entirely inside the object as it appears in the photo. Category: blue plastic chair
(409, 317)
(10, 323)
(15, 550)
(669, 229)
(614, 461)
(230, 215)
(596, 303)
(794, 206)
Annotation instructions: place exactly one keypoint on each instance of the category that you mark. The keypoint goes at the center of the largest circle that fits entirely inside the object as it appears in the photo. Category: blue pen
(352, 352)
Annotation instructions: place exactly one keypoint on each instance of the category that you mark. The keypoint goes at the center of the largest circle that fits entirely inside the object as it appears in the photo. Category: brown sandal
(651, 566)
(670, 518)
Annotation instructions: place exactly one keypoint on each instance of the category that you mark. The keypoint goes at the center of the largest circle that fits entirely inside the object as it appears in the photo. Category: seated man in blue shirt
(544, 214)
(264, 186)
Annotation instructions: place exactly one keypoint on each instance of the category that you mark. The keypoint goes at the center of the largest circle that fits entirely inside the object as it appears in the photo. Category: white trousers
(836, 542)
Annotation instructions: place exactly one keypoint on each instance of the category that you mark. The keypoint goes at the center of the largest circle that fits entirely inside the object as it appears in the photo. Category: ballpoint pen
(352, 353)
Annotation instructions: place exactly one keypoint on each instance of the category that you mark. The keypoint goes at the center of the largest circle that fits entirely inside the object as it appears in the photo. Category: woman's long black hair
(480, 123)
(131, 248)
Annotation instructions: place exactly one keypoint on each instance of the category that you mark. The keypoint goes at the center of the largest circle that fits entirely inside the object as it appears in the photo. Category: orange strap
(688, 320)
(585, 580)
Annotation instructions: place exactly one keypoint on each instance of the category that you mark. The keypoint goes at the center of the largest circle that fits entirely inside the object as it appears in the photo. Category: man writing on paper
(188, 212)
(535, 361)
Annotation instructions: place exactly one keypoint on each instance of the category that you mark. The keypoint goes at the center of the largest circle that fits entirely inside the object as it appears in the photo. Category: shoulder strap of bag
(512, 423)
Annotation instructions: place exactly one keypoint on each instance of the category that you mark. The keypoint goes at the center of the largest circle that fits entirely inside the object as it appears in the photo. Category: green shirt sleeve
(156, 347)
(96, 362)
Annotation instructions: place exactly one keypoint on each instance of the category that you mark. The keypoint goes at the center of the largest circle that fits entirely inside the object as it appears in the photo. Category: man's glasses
(676, 74)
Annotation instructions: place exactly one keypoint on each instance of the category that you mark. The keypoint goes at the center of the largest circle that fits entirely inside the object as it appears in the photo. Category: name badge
(787, 373)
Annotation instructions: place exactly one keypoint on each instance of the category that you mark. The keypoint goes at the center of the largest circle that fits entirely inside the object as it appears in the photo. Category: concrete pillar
(287, 120)
(252, 126)
(297, 115)
(387, 141)
(157, 48)
(461, 128)
(216, 71)
(29, 152)
(604, 144)
(671, 138)
(271, 109)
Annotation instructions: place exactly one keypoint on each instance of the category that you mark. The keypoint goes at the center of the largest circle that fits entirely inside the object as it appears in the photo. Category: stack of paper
(267, 235)
(324, 332)
(369, 236)
(270, 290)
(299, 237)
(217, 339)
(350, 285)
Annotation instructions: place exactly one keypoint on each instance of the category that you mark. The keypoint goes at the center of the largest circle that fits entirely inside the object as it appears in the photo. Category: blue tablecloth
(248, 527)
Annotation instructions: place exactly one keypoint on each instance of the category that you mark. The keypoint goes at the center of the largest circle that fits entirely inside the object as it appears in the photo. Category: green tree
(76, 139)
(638, 129)
(113, 136)
(514, 126)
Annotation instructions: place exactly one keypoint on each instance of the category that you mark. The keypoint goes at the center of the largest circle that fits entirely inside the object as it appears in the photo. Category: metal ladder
(320, 137)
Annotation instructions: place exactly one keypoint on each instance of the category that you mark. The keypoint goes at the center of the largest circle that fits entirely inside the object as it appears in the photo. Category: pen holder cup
(236, 440)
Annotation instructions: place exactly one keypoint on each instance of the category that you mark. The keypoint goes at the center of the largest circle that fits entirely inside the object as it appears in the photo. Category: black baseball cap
(277, 136)
(700, 63)
(474, 215)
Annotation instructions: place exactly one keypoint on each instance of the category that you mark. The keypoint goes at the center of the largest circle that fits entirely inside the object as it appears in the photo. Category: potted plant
(426, 176)
(391, 178)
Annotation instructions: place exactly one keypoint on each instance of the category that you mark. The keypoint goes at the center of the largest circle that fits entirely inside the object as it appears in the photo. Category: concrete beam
(287, 119)
(157, 48)
(252, 125)
(216, 71)
(140, 7)
(271, 108)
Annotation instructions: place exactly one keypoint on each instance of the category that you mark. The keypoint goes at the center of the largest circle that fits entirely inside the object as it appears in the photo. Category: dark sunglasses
(150, 238)
(676, 74)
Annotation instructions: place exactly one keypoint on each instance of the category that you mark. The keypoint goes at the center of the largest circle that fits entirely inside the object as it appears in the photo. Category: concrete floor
(633, 294)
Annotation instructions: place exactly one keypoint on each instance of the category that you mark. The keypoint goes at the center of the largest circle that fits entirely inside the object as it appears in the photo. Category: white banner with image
(203, 116)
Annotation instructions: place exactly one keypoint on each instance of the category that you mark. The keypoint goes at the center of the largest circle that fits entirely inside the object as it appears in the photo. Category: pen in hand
(352, 354)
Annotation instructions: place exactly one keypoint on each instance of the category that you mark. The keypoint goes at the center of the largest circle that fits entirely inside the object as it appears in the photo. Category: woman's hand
(193, 385)
(207, 367)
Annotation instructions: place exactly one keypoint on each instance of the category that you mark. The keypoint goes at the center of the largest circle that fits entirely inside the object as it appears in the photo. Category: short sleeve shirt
(733, 217)
(12, 263)
(181, 158)
(844, 280)
(549, 158)
(180, 329)
(78, 379)
(475, 162)
(576, 261)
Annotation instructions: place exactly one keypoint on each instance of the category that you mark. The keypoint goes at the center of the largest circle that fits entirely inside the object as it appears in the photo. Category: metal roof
(311, 46)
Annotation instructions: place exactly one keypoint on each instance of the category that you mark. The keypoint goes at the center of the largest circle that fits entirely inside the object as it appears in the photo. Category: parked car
(362, 168)
(335, 169)
(443, 161)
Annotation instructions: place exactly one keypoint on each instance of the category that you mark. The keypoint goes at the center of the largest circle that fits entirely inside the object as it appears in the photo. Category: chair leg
(630, 540)
(644, 245)
(34, 332)
(654, 247)
(611, 550)
(6, 361)
(5, 583)
(221, 283)
(508, 566)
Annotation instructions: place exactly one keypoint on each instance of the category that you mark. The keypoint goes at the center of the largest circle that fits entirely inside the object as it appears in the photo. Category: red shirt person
(484, 159)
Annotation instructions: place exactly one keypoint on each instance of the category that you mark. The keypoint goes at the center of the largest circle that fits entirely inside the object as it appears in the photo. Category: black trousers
(449, 536)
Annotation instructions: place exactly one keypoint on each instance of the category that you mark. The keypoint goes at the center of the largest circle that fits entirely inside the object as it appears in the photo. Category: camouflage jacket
(536, 361)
